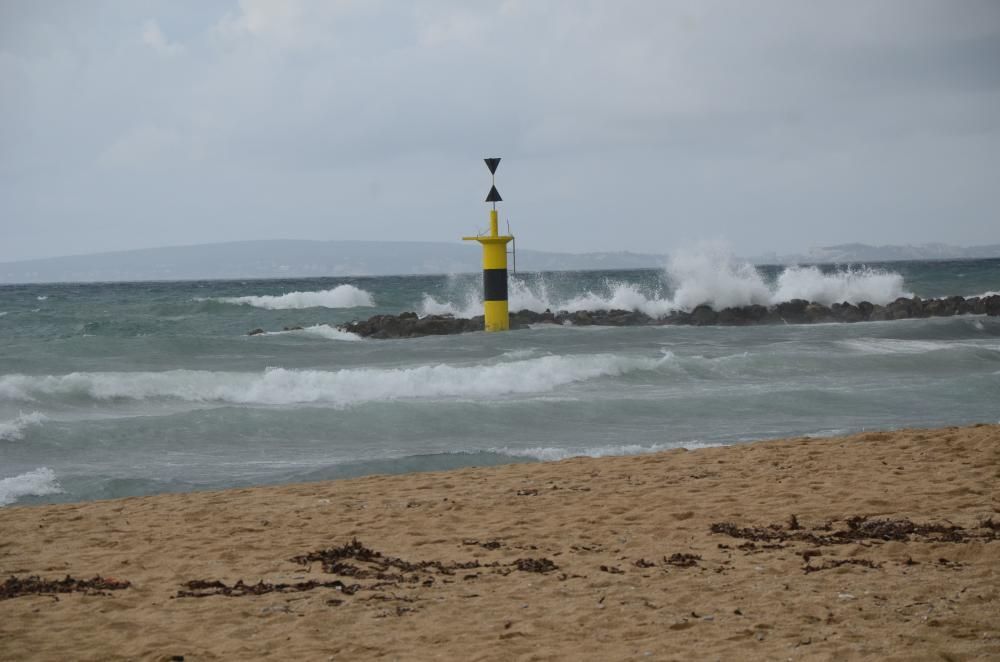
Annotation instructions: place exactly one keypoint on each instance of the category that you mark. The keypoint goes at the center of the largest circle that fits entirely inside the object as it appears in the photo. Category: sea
(121, 389)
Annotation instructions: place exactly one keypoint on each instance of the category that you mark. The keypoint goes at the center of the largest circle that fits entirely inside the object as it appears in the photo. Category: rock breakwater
(796, 311)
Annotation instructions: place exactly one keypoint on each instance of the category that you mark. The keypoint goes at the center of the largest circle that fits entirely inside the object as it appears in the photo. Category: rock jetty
(796, 311)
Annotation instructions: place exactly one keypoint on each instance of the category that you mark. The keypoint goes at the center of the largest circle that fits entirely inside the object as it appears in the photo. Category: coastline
(880, 545)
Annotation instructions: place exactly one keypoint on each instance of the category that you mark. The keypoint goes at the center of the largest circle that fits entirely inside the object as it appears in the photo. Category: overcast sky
(625, 125)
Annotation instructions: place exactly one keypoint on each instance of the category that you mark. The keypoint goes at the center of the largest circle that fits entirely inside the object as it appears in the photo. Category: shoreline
(879, 545)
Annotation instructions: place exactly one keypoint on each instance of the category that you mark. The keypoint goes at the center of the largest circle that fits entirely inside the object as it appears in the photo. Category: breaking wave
(342, 296)
(339, 388)
(550, 453)
(14, 430)
(707, 277)
(321, 331)
(40, 482)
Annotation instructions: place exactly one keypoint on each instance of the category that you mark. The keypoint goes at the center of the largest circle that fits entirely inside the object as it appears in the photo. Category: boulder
(704, 316)
(792, 312)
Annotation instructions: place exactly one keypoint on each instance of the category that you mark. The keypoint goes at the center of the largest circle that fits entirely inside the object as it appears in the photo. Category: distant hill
(849, 253)
(297, 259)
(304, 259)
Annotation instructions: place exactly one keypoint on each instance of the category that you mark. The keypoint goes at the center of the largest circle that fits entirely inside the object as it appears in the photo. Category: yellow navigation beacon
(497, 317)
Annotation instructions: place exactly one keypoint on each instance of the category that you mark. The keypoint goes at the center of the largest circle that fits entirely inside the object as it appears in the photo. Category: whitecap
(14, 430)
(40, 482)
(338, 388)
(342, 296)
(554, 453)
(320, 331)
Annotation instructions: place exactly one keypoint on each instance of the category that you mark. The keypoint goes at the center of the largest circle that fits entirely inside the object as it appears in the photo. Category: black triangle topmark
(494, 195)
(492, 165)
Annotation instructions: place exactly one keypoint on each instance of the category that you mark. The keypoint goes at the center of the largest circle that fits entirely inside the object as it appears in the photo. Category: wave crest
(322, 331)
(339, 388)
(14, 430)
(40, 482)
(342, 296)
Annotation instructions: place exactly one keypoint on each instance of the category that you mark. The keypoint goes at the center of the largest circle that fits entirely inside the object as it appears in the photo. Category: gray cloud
(631, 125)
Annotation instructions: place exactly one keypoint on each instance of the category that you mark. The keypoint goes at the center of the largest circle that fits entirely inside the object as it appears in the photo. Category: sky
(633, 125)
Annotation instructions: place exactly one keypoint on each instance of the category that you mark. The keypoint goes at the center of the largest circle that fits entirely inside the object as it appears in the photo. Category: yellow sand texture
(892, 554)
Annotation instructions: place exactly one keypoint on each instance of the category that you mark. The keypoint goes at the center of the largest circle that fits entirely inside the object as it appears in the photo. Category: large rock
(704, 316)
(792, 312)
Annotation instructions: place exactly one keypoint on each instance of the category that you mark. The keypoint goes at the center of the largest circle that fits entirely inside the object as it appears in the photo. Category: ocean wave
(14, 430)
(708, 277)
(342, 296)
(553, 453)
(3, 313)
(896, 346)
(339, 388)
(321, 331)
(40, 482)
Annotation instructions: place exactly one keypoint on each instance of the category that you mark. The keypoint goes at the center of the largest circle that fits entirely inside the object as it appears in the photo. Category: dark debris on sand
(859, 529)
(201, 588)
(358, 562)
(34, 585)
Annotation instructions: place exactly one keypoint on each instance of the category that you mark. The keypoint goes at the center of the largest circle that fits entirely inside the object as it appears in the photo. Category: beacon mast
(497, 317)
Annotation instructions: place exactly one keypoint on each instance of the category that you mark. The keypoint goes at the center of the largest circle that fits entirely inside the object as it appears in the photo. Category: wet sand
(875, 546)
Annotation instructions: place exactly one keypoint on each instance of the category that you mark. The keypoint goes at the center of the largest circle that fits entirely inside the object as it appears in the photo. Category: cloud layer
(630, 125)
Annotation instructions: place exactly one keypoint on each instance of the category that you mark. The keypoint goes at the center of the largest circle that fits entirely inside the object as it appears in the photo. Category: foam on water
(708, 276)
(40, 482)
(342, 296)
(321, 331)
(14, 430)
(339, 388)
(548, 453)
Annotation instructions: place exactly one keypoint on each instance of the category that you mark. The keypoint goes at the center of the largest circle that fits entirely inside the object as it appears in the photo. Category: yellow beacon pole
(494, 244)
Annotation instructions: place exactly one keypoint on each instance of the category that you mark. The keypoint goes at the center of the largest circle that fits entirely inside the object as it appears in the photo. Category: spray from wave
(338, 388)
(40, 482)
(14, 430)
(342, 296)
(707, 276)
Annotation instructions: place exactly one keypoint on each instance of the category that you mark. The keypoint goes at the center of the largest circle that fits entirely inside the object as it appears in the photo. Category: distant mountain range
(303, 259)
(297, 259)
(842, 253)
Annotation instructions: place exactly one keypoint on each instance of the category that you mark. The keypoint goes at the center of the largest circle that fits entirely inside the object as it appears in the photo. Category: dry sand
(611, 528)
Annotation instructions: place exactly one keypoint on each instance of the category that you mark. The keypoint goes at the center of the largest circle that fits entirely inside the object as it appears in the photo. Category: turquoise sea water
(121, 389)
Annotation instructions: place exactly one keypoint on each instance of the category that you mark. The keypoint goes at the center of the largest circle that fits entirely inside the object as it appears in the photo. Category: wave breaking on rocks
(795, 311)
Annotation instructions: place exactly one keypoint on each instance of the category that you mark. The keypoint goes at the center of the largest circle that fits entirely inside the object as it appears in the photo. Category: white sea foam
(552, 453)
(705, 276)
(339, 388)
(342, 296)
(3, 313)
(321, 331)
(14, 430)
(39, 482)
(41, 297)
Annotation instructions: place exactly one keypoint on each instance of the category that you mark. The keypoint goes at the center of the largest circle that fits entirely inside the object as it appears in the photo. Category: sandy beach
(874, 546)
